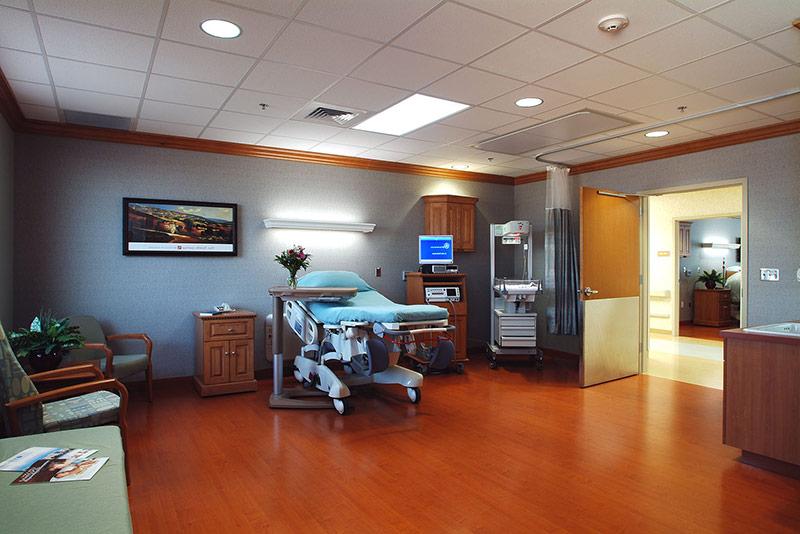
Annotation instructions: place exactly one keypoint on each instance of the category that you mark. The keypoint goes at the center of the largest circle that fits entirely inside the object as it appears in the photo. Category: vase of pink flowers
(294, 259)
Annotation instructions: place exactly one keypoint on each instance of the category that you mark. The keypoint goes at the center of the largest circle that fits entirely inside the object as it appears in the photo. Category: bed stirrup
(442, 354)
(374, 361)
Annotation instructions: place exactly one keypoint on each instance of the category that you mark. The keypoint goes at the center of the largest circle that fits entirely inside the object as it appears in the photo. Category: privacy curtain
(561, 271)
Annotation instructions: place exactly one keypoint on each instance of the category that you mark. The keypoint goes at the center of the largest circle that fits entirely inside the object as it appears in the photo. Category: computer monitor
(435, 249)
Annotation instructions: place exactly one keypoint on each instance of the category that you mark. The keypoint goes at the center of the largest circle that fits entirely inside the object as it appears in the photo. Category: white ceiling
(149, 60)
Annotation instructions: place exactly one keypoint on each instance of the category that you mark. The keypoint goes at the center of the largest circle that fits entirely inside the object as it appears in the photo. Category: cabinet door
(465, 227)
(241, 360)
(215, 362)
(436, 214)
(453, 217)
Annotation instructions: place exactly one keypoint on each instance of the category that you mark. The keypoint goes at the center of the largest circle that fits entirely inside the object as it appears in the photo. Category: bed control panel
(442, 294)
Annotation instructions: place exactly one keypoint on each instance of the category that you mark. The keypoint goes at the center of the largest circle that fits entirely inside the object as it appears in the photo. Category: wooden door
(215, 362)
(241, 360)
(609, 285)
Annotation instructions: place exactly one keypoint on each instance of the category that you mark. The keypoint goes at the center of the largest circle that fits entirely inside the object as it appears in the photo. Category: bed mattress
(373, 307)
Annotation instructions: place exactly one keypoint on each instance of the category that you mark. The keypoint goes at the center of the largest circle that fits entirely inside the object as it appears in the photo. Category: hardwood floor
(702, 332)
(510, 450)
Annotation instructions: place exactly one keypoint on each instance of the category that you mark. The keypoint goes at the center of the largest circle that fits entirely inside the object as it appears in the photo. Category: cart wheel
(460, 368)
(297, 375)
(492, 364)
(307, 384)
(422, 368)
(348, 369)
(343, 406)
(415, 394)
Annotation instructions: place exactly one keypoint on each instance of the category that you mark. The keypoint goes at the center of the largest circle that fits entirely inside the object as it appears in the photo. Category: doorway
(693, 236)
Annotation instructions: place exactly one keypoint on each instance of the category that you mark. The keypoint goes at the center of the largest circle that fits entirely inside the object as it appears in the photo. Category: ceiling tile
(572, 156)
(766, 84)
(528, 164)
(278, 106)
(317, 48)
(32, 93)
(686, 41)
(642, 93)
(579, 26)
(458, 33)
(676, 131)
(523, 11)
(306, 130)
(77, 75)
(508, 128)
(695, 103)
(522, 172)
(720, 120)
(579, 105)
(755, 18)
(781, 106)
(39, 113)
(185, 16)
(17, 30)
(168, 128)
(362, 95)
(360, 138)
(340, 150)
(471, 86)
(374, 19)
(401, 68)
(786, 43)
(614, 145)
(532, 56)
(726, 66)
(243, 122)
(593, 76)
(76, 100)
(284, 8)
(766, 121)
(286, 142)
(166, 112)
(701, 5)
(440, 133)
(428, 161)
(184, 61)
(480, 119)
(21, 4)
(80, 42)
(552, 99)
(141, 16)
(24, 66)
(384, 155)
(232, 136)
(186, 92)
(791, 116)
(289, 80)
(410, 146)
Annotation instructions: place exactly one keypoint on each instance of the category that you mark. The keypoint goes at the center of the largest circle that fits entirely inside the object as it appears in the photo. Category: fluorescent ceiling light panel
(302, 224)
(221, 28)
(406, 116)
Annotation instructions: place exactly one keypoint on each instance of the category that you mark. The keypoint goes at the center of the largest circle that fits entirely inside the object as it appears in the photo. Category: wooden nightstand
(224, 353)
(712, 307)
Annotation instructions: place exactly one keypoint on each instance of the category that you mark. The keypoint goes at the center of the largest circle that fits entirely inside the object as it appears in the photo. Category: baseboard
(770, 464)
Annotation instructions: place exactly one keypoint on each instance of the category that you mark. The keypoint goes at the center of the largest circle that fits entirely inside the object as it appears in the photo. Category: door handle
(588, 291)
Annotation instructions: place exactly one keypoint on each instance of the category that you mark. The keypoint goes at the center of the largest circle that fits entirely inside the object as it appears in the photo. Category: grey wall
(6, 223)
(772, 169)
(68, 197)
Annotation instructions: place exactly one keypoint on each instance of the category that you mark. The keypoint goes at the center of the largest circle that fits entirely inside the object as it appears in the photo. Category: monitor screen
(434, 249)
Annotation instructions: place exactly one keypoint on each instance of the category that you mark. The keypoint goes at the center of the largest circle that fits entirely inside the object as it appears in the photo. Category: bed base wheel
(343, 406)
(460, 368)
(415, 394)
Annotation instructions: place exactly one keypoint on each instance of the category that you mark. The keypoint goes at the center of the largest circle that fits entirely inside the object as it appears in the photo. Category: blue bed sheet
(373, 307)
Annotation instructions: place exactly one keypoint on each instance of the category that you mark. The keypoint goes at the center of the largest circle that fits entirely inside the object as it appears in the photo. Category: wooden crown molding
(679, 149)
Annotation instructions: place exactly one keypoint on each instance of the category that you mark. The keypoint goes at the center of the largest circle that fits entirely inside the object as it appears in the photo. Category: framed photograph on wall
(178, 228)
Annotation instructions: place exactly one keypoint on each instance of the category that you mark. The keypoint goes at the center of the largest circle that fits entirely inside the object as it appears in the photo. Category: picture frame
(161, 227)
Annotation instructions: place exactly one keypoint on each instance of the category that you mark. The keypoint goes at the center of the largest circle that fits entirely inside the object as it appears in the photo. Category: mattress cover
(371, 306)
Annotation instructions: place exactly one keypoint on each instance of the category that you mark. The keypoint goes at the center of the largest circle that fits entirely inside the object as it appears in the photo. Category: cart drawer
(514, 331)
(518, 321)
(508, 341)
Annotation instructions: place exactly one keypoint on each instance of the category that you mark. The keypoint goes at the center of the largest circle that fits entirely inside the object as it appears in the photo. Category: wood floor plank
(511, 450)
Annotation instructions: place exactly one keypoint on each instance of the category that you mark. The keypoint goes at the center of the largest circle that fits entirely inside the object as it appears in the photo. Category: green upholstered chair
(117, 366)
(100, 401)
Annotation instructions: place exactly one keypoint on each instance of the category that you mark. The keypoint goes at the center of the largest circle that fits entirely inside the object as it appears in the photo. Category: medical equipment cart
(513, 321)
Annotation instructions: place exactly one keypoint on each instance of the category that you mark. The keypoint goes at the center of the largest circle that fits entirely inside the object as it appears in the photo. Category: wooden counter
(762, 398)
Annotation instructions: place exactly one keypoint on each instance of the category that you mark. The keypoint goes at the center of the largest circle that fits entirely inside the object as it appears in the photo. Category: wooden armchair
(100, 401)
(113, 365)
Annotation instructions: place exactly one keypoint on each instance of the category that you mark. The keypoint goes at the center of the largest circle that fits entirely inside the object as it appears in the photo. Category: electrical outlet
(682, 303)
(770, 275)
(378, 272)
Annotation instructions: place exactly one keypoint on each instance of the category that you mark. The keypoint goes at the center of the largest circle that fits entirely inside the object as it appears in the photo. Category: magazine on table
(52, 464)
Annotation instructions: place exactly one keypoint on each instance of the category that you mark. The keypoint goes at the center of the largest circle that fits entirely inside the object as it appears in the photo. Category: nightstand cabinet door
(241, 360)
(215, 362)
(224, 353)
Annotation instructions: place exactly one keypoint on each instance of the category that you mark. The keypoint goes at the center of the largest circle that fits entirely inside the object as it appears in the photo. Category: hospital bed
(358, 333)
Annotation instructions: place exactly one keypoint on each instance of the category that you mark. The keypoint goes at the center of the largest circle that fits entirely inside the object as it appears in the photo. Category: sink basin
(781, 329)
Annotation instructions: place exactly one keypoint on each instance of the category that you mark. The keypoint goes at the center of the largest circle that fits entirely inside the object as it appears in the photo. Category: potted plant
(46, 342)
(293, 260)
(711, 279)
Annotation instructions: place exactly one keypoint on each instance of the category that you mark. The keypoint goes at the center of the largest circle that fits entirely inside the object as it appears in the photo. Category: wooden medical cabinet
(224, 353)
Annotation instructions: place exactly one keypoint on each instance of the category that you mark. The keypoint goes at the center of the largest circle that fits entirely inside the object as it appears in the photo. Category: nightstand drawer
(232, 329)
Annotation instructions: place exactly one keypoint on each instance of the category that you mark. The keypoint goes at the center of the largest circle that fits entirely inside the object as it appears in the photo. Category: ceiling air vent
(97, 120)
(342, 117)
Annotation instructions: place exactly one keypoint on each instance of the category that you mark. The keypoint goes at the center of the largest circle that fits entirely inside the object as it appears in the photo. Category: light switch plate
(770, 275)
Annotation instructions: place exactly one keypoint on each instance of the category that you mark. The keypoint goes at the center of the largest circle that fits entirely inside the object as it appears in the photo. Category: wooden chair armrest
(143, 337)
(69, 391)
(66, 372)
(109, 356)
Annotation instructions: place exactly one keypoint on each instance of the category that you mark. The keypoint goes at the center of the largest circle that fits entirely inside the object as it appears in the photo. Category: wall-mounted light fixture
(732, 246)
(303, 224)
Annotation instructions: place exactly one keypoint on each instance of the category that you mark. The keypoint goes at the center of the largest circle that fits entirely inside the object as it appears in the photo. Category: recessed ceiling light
(407, 115)
(221, 28)
(657, 133)
(459, 166)
(529, 102)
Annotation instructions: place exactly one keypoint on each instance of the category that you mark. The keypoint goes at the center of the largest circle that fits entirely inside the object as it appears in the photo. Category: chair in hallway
(117, 366)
